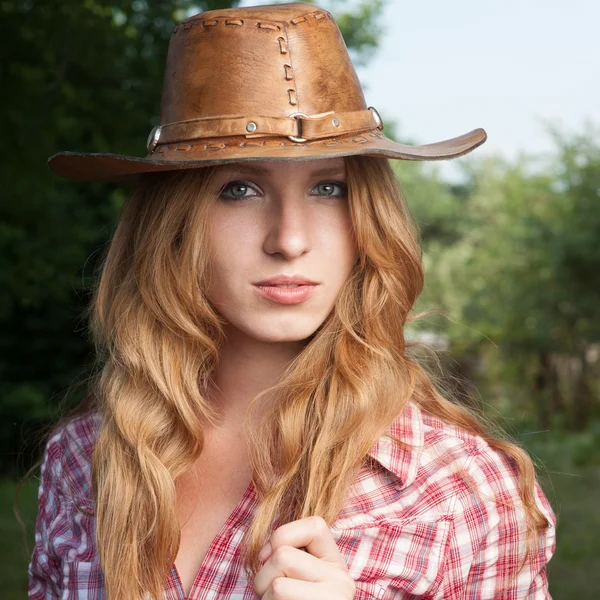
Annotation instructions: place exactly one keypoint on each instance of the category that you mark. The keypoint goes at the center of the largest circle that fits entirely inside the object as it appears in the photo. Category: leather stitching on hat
(282, 45)
(193, 23)
(273, 26)
(292, 92)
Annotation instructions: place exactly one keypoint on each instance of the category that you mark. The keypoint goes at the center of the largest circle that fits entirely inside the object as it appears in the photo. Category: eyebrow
(255, 170)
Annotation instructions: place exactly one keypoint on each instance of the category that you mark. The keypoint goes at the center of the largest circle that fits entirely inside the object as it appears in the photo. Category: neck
(246, 367)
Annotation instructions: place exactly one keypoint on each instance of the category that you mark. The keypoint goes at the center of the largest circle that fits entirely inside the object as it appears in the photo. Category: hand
(290, 573)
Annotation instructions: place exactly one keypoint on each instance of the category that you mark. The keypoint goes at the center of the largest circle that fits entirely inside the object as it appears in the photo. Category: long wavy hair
(157, 340)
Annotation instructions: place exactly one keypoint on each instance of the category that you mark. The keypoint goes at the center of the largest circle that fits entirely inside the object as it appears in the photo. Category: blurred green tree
(513, 257)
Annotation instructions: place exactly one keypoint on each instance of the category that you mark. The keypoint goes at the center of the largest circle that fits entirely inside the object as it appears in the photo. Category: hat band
(298, 127)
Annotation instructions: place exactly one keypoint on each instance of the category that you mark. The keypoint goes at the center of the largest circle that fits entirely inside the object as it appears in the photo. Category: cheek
(228, 245)
(339, 242)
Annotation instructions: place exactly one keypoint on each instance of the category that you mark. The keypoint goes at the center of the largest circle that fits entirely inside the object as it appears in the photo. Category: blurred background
(511, 233)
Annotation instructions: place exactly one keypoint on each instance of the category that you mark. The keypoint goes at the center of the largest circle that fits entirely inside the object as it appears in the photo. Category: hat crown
(272, 60)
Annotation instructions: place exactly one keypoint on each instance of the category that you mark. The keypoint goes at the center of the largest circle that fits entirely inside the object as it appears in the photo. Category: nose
(288, 226)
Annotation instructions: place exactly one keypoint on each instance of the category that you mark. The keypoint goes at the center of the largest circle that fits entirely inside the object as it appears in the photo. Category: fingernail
(265, 552)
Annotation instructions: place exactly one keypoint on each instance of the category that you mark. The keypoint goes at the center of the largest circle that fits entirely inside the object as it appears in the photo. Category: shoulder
(432, 459)
(450, 463)
(449, 473)
(67, 457)
(464, 494)
(488, 477)
(64, 533)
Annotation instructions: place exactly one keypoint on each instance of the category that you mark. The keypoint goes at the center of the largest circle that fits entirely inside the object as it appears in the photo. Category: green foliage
(15, 552)
(537, 234)
(82, 76)
(512, 259)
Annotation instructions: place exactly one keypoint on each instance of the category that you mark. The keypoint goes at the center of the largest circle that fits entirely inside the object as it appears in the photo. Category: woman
(231, 415)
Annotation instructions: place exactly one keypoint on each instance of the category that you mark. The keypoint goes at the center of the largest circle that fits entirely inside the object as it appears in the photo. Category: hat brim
(119, 168)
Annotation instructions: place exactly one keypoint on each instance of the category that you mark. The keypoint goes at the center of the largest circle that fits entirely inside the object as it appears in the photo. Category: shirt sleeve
(45, 567)
(486, 551)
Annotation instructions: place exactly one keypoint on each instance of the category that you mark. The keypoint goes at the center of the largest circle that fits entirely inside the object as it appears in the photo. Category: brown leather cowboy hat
(263, 82)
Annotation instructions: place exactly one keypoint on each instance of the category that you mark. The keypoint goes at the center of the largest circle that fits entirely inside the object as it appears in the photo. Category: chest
(206, 498)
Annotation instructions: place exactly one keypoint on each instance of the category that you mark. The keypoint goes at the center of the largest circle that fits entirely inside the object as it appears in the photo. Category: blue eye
(327, 188)
(241, 186)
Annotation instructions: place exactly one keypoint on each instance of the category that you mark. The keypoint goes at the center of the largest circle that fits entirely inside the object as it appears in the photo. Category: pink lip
(286, 295)
(286, 280)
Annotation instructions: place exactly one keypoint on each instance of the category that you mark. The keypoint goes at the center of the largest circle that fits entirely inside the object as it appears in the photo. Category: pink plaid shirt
(427, 522)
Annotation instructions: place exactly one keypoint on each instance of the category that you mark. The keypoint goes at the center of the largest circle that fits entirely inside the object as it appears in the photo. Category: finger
(287, 561)
(293, 589)
(312, 533)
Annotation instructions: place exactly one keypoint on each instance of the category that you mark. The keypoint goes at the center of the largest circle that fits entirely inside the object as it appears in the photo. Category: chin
(283, 332)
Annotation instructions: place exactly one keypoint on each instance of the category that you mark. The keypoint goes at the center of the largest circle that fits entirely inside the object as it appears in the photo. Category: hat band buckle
(299, 137)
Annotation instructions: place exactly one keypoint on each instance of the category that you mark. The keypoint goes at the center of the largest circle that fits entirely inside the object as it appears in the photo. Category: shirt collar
(403, 462)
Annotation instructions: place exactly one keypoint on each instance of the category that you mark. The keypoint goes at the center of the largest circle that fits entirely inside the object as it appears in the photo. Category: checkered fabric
(439, 519)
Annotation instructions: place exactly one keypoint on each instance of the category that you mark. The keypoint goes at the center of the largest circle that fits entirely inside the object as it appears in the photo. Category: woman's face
(279, 218)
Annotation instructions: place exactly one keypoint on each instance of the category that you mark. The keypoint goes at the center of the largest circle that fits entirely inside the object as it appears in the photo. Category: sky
(446, 67)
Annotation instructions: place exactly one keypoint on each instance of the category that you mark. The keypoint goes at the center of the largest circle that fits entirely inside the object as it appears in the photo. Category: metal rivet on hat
(251, 126)
(335, 121)
(153, 138)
